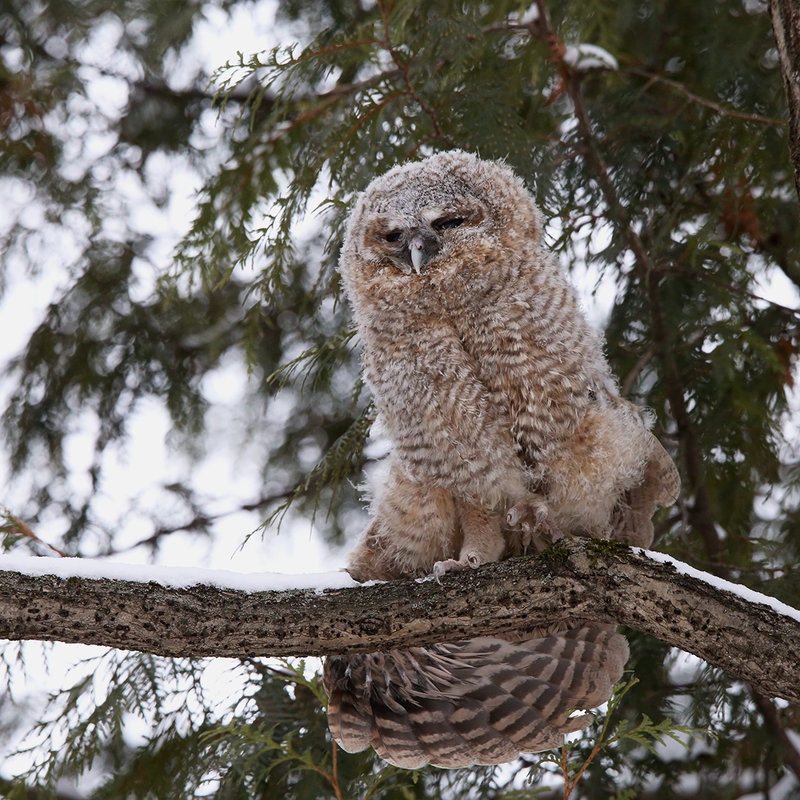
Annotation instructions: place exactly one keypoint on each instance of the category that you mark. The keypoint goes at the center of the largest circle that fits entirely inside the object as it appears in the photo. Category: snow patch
(174, 577)
(531, 14)
(589, 56)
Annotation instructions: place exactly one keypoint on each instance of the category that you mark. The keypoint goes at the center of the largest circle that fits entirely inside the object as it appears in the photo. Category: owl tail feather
(477, 701)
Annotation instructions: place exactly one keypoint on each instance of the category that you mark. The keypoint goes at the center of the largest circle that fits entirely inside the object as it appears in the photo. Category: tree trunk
(786, 26)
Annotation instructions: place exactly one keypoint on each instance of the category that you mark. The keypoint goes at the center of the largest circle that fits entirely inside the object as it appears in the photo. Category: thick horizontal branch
(574, 580)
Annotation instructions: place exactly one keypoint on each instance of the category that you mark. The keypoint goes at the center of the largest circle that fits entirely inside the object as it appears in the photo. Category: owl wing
(663, 475)
(445, 425)
(480, 701)
(660, 486)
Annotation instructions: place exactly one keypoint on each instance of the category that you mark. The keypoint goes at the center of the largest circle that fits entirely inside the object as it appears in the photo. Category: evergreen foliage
(667, 175)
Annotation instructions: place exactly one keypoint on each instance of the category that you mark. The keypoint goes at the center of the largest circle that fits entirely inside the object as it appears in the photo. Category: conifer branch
(403, 66)
(703, 101)
(702, 515)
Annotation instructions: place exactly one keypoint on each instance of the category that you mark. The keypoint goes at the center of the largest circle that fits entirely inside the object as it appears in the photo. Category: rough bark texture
(586, 579)
(786, 26)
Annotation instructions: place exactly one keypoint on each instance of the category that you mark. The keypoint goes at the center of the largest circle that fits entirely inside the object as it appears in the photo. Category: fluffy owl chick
(506, 428)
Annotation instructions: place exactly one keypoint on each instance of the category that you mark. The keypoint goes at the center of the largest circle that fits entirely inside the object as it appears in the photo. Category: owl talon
(528, 515)
(471, 560)
(537, 529)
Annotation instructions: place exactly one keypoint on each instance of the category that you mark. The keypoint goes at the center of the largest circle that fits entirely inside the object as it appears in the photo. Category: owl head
(422, 216)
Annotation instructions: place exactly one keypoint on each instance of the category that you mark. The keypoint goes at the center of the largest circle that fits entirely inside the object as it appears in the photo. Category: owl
(507, 432)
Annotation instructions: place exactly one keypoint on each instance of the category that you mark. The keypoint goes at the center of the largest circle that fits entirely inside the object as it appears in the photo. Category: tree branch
(572, 581)
(701, 515)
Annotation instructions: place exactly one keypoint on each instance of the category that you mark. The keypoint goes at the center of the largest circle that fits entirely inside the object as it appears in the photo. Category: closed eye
(392, 236)
(448, 222)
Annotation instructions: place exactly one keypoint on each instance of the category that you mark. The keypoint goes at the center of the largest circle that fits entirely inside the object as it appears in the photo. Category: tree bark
(785, 16)
(571, 581)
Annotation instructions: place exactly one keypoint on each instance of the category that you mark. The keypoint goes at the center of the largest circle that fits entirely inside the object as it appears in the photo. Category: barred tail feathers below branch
(477, 701)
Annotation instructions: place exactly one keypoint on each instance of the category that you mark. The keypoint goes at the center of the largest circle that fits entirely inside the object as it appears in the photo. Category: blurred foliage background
(186, 223)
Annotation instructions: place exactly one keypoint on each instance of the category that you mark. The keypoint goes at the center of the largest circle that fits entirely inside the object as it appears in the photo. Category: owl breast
(518, 325)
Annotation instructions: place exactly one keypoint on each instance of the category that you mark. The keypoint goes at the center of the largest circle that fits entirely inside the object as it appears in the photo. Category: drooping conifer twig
(15, 525)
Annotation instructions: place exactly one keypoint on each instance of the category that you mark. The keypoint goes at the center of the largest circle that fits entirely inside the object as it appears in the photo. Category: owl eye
(392, 236)
(448, 222)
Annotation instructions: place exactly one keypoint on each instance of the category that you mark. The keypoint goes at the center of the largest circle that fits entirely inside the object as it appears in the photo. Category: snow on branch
(215, 613)
(584, 57)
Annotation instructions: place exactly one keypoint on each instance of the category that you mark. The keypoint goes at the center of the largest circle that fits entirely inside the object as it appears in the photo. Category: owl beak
(417, 249)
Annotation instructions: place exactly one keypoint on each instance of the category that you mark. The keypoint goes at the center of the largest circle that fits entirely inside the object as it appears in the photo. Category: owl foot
(537, 529)
(471, 560)
(528, 515)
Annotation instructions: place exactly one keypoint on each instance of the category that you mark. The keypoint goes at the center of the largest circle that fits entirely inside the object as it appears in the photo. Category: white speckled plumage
(496, 395)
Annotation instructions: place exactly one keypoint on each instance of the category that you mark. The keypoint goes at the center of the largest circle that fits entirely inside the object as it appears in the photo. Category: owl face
(412, 242)
(426, 217)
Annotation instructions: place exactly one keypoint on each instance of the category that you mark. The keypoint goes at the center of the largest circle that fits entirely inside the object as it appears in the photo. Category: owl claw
(537, 529)
(527, 514)
(471, 560)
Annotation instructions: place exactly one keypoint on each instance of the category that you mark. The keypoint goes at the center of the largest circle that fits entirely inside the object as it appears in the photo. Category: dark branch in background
(774, 726)
(201, 521)
(700, 514)
(572, 581)
(785, 16)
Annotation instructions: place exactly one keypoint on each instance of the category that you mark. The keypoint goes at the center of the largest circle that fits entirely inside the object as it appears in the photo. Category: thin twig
(776, 730)
(569, 785)
(25, 530)
(702, 101)
(645, 358)
(335, 760)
